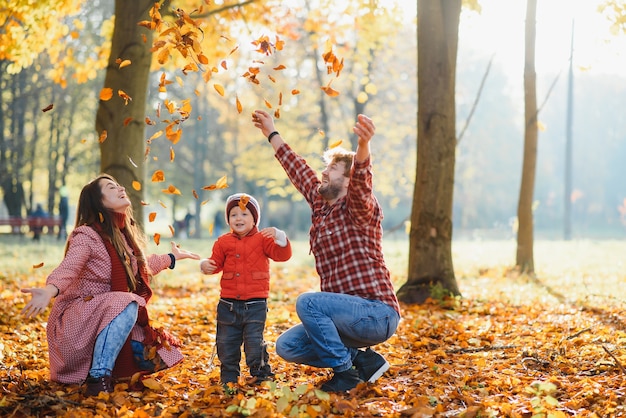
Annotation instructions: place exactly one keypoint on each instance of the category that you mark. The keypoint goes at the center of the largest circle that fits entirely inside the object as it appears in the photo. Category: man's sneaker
(342, 381)
(370, 365)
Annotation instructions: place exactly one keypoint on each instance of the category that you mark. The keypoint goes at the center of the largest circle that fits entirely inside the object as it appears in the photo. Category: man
(357, 306)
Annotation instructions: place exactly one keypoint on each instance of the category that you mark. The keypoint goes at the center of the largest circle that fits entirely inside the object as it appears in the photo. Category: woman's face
(114, 196)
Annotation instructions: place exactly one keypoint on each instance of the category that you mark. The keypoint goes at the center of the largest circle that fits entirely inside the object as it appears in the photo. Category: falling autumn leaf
(171, 190)
(158, 176)
(195, 194)
(136, 185)
(155, 136)
(103, 136)
(152, 216)
(330, 91)
(239, 106)
(124, 63)
(124, 96)
(47, 108)
(172, 230)
(219, 89)
(127, 120)
(335, 144)
(173, 135)
(243, 201)
(220, 184)
(106, 94)
(172, 154)
(36, 266)
(295, 91)
(157, 238)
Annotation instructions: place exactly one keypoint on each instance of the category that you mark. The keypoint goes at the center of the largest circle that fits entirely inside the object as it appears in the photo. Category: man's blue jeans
(333, 326)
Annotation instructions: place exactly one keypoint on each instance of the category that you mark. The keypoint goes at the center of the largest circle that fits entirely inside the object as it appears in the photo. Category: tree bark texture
(430, 242)
(525, 257)
(122, 152)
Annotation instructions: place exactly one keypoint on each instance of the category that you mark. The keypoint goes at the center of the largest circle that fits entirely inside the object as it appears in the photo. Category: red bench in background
(18, 225)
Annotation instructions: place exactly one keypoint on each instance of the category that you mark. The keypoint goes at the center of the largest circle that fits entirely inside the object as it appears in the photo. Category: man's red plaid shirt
(345, 238)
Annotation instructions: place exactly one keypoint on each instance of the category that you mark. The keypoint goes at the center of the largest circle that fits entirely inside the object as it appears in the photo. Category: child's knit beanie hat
(245, 201)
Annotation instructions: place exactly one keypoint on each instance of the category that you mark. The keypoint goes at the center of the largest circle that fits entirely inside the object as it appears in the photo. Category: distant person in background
(38, 213)
(218, 224)
(187, 222)
(242, 255)
(99, 329)
(64, 212)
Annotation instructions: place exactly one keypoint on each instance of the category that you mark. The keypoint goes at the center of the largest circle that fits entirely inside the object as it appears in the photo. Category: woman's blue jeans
(333, 326)
(110, 341)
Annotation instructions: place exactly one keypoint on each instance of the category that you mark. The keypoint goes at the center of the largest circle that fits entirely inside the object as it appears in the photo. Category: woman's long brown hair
(91, 212)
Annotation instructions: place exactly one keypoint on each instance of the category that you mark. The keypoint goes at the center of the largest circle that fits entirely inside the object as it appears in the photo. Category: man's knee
(282, 347)
(304, 300)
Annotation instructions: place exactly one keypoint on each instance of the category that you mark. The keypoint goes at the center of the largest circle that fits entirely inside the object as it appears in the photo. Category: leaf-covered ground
(513, 346)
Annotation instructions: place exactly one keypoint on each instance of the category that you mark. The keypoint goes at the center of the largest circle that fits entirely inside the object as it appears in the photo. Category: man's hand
(264, 121)
(364, 128)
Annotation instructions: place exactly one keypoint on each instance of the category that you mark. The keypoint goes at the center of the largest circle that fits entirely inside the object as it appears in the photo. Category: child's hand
(269, 232)
(207, 266)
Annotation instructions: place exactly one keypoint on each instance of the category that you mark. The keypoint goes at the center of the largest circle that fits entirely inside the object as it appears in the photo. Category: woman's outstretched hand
(180, 254)
(40, 299)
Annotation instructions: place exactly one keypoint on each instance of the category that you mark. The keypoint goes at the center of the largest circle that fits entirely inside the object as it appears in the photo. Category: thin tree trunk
(525, 240)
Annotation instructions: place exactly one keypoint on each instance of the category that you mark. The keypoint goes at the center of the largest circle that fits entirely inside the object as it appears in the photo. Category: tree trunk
(525, 258)
(122, 152)
(431, 272)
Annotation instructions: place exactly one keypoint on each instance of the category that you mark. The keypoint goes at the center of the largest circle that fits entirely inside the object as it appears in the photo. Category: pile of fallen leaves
(513, 346)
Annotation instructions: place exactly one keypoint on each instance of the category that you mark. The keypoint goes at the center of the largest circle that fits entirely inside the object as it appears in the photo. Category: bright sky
(500, 30)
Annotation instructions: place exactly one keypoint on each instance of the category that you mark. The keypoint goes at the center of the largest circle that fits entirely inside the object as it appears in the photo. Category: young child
(242, 255)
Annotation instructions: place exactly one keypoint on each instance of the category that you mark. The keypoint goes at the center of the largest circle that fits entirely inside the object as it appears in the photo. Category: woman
(98, 327)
